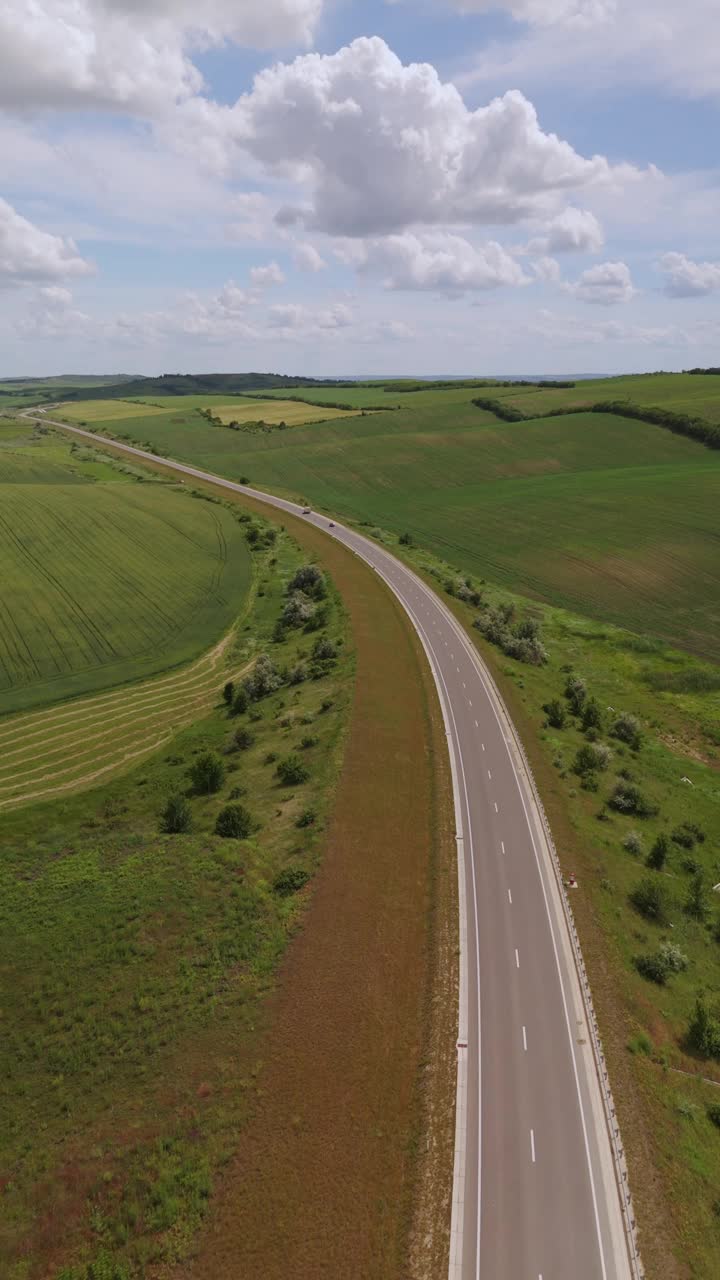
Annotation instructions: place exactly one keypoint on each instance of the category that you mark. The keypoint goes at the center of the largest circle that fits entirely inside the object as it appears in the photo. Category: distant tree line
(716, 371)
(683, 424)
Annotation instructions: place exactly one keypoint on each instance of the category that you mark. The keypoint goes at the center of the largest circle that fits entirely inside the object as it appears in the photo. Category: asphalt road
(535, 1191)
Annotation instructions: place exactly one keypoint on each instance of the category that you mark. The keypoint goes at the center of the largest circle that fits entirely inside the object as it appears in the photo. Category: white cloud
(295, 316)
(605, 285)
(307, 258)
(130, 53)
(381, 147)
(571, 331)
(544, 12)
(687, 279)
(438, 260)
(546, 269)
(31, 256)
(572, 231)
(663, 42)
(262, 277)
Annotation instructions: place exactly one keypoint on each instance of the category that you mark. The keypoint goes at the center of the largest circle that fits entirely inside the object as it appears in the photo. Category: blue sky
(328, 186)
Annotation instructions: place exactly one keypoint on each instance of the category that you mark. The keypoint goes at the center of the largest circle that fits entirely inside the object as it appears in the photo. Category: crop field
(92, 411)
(291, 412)
(612, 518)
(105, 582)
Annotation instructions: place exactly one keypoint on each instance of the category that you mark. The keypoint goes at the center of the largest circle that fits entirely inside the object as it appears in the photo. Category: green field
(612, 518)
(135, 963)
(105, 579)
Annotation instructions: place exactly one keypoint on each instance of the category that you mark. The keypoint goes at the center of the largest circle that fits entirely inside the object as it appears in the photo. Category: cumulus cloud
(687, 279)
(572, 231)
(438, 260)
(31, 256)
(130, 53)
(295, 316)
(271, 274)
(381, 146)
(605, 285)
(307, 258)
(571, 331)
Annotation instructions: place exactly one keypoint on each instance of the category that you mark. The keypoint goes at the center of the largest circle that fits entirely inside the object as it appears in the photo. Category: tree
(176, 817)
(657, 856)
(298, 610)
(243, 739)
(576, 694)
(310, 580)
(234, 822)
(649, 898)
(406, 540)
(591, 715)
(696, 902)
(265, 679)
(703, 1034)
(591, 757)
(241, 702)
(324, 650)
(229, 692)
(555, 713)
(207, 773)
(634, 844)
(291, 771)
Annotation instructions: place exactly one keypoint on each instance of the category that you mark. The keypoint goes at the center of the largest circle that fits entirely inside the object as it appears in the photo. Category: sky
(359, 187)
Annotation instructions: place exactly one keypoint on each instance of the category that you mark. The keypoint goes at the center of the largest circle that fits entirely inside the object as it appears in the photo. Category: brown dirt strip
(345, 1169)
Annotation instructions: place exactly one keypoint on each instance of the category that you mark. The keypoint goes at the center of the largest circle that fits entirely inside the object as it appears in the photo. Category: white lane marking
(502, 845)
(510, 897)
(525, 1039)
(477, 726)
(489, 775)
(483, 746)
(496, 808)
(517, 959)
(464, 685)
(532, 1144)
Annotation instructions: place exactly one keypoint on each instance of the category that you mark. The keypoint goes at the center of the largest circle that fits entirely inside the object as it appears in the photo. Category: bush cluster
(520, 640)
(708, 433)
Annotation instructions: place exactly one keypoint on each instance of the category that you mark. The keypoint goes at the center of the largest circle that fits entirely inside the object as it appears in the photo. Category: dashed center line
(477, 726)
(510, 897)
(525, 1039)
(496, 808)
(489, 775)
(517, 959)
(532, 1144)
(502, 845)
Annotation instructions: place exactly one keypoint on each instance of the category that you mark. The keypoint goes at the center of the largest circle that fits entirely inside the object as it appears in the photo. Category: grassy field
(108, 1060)
(292, 413)
(105, 579)
(608, 517)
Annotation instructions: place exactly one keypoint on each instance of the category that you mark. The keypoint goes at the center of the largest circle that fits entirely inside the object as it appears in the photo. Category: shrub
(634, 844)
(298, 610)
(657, 856)
(649, 898)
(652, 967)
(228, 692)
(207, 773)
(243, 739)
(307, 818)
(324, 650)
(297, 674)
(674, 958)
(576, 694)
(290, 881)
(308, 742)
(555, 713)
(687, 835)
(234, 822)
(310, 580)
(627, 798)
(591, 715)
(406, 540)
(696, 902)
(713, 1114)
(703, 1033)
(291, 771)
(241, 702)
(627, 729)
(176, 817)
(264, 680)
(593, 756)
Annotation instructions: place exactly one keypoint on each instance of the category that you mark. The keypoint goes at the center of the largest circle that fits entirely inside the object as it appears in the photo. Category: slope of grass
(134, 965)
(105, 582)
(292, 413)
(606, 516)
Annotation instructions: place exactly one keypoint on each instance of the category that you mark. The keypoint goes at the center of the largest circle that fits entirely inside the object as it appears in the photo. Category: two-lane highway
(535, 1195)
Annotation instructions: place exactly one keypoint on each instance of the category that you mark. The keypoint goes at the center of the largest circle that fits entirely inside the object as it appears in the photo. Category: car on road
(331, 524)
(306, 511)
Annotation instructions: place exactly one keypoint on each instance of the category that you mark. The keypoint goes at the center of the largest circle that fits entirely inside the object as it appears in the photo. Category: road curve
(536, 1194)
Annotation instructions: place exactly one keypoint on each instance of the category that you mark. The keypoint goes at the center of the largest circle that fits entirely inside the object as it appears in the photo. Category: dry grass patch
(293, 413)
